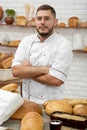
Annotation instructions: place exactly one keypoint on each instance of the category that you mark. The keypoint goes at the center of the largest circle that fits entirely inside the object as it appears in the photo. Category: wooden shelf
(14, 25)
(8, 46)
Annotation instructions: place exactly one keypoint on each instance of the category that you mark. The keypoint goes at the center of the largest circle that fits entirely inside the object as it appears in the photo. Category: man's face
(45, 22)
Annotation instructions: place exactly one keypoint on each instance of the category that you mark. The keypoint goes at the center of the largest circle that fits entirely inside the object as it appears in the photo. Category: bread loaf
(60, 106)
(32, 121)
(73, 21)
(21, 20)
(80, 109)
(61, 25)
(10, 87)
(27, 106)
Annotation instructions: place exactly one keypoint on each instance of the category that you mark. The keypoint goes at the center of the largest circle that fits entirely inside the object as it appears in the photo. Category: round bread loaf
(59, 106)
(80, 109)
(32, 121)
(27, 106)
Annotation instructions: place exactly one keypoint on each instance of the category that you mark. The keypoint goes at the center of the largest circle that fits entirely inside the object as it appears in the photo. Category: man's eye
(38, 18)
(47, 18)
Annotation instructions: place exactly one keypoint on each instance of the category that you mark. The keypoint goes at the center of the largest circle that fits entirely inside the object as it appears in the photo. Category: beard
(44, 34)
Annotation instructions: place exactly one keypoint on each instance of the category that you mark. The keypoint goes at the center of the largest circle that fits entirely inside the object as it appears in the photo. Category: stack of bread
(72, 112)
(70, 106)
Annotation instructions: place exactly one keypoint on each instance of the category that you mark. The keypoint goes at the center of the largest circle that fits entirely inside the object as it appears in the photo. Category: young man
(43, 59)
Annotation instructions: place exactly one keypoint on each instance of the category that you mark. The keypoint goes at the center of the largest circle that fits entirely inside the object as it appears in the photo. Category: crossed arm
(37, 73)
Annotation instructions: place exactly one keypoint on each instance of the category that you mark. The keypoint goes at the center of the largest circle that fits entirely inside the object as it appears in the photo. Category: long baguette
(10, 87)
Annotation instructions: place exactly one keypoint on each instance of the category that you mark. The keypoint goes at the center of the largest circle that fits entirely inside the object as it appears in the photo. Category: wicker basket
(1, 12)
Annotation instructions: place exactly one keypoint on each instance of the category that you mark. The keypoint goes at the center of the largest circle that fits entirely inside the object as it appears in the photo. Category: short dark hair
(47, 7)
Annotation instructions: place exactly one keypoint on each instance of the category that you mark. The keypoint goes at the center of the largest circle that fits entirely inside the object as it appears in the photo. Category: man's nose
(42, 20)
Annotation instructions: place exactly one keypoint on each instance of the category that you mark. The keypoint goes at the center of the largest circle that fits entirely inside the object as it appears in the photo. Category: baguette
(10, 87)
(58, 105)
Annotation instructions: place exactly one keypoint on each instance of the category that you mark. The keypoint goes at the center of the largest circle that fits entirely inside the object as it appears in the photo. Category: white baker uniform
(56, 52)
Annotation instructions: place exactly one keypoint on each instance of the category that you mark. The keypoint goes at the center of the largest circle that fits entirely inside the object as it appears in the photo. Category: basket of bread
(5, 66)
(72, 112)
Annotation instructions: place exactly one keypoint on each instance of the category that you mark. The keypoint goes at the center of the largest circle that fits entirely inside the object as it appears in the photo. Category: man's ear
(56, 22)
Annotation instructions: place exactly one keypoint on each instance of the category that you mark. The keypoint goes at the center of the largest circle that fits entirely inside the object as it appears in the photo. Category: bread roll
(27, 106)
(6, 63)
(10, 87)
(80, 109)
(62, 25)
(32, 121)
(59, 106)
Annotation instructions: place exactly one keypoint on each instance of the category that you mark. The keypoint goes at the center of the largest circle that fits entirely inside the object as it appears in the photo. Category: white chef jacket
(56, 52)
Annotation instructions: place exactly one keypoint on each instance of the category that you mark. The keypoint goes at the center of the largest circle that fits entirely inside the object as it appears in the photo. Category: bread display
(67, 105)
(72, 112)
(73, 21)
(27, 106)
(32, 121)
(21, 20)
(10, 87)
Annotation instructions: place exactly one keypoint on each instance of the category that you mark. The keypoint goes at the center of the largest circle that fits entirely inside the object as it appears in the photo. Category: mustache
(43, 26)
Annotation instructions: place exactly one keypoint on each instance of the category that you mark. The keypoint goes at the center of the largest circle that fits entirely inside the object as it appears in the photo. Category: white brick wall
(76, 84)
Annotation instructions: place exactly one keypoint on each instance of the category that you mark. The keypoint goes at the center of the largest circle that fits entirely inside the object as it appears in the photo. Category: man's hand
(26, 63)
